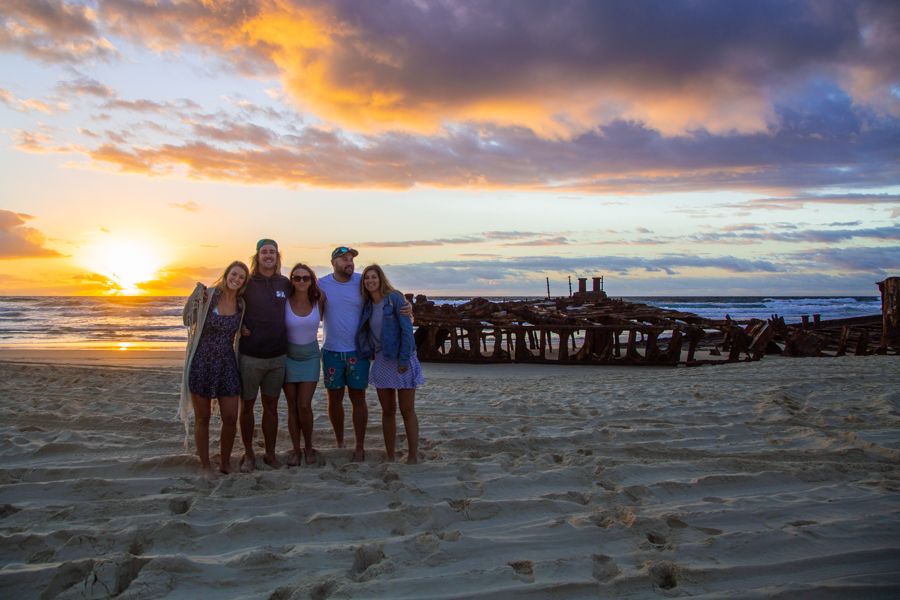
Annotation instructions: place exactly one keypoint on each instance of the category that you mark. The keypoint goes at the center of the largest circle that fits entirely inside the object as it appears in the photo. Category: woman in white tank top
(302, 315)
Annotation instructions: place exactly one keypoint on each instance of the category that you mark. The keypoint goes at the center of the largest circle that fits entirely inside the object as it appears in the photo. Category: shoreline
(167, 357)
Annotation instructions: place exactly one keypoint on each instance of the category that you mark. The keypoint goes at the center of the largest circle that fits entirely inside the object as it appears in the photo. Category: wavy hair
(220, 282)
(254, 262)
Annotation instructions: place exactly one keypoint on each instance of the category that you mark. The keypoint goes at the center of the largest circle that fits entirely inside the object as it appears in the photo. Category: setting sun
(125, 263)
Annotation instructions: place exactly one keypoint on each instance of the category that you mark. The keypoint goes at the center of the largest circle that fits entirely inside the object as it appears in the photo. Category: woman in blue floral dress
(213, 317)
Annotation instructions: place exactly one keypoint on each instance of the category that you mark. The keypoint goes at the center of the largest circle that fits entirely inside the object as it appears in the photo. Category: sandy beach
(756, 480)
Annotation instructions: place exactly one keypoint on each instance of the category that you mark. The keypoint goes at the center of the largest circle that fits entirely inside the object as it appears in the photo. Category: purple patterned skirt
(383, 373)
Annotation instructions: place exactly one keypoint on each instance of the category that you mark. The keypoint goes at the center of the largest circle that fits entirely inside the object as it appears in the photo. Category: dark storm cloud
(555, 67)
(595, 97)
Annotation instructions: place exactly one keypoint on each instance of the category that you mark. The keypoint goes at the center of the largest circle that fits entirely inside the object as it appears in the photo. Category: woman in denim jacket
(386, 336)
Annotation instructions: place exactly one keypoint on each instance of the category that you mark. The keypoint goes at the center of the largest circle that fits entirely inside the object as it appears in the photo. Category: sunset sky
(690, 148)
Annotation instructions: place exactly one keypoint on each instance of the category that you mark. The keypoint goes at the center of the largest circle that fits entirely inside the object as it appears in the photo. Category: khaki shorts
(261, 374)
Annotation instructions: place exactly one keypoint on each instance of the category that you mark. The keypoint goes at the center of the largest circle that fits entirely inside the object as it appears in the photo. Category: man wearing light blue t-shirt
(341, 366)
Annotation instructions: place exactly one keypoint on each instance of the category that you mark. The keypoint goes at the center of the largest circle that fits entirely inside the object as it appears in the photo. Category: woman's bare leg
(229, 407)
(201, 429)
(410, 423)
(388, 399)
(291, 392)
(305, 418)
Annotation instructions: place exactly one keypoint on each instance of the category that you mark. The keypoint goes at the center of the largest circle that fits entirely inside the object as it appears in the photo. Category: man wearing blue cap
(262, 350)
(342, 367)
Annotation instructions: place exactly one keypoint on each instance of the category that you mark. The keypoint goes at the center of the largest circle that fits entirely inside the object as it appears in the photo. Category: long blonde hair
(220, 282)
(386, 287)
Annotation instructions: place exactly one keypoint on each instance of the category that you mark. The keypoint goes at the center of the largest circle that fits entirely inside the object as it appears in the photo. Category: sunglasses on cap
(342, 250)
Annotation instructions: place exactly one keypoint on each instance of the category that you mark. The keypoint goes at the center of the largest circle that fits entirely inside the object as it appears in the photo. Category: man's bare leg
(336, 414)
(248, 423)
(360, 422)
(387, 398)
(270, 429)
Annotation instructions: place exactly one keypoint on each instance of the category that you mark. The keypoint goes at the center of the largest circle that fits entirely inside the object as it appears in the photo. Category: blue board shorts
(341, 369)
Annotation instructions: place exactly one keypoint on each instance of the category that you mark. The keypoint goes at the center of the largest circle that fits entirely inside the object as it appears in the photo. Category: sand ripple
(772, 479)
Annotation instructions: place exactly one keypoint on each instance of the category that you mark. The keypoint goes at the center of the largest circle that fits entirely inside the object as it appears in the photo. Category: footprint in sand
(676, 523)
(604, 567)
(602, 519)
(324, 590)
(365, 558)
(179, 506)
(664, 574)
(524, 569)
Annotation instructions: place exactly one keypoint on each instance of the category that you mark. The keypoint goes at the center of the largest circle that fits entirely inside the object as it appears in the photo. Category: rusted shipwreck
(591, 328)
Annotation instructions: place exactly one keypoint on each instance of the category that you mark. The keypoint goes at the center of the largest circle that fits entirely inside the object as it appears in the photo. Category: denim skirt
(303, 363)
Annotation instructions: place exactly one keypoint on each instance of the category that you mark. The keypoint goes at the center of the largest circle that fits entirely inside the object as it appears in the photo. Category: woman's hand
(402, 369)
(245, 331)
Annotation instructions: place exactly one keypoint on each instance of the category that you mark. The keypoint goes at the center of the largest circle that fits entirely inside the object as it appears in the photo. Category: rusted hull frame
(601, 344)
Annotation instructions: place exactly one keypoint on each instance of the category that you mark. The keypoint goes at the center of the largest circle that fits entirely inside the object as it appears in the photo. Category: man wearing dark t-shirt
(262, 350)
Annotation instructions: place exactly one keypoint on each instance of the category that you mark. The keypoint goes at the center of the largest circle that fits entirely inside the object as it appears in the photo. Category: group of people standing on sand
(254, 332)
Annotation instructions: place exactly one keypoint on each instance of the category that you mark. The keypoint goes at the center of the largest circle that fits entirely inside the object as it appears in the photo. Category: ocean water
(155, 322)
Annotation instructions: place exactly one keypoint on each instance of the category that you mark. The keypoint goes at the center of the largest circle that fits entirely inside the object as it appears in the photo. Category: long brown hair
(220, 282)
(386, 287)
(314, 293)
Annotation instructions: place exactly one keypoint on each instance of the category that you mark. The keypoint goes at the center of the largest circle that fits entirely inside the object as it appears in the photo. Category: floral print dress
(214, 370)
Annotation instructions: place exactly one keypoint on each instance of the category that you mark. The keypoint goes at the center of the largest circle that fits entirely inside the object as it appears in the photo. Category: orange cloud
(189, 206)
(558, 69)
(18, 241)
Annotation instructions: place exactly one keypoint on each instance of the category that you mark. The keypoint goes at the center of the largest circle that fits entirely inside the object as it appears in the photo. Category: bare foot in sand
(358, 456)
(312, 456)
(272, 461)
(293, 459)
(225, 467)
(412, 460)
(248, 463)
(390, 458)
